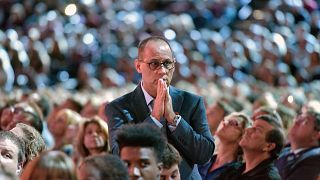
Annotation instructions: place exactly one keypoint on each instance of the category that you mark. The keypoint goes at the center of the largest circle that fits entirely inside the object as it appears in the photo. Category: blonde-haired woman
(64, 128)
(92, 137)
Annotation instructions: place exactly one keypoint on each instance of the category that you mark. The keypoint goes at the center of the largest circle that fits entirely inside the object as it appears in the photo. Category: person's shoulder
(124, 99)
(185, 93)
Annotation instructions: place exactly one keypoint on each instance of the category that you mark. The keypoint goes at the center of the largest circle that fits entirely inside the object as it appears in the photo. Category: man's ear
(269, 147)
(137, 65)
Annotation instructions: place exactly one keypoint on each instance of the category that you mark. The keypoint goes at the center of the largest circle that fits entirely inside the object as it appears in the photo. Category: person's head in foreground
(170, 160)
(33, 140)
(12, 151)
(141, 148)
(50, 165)
(102, 166)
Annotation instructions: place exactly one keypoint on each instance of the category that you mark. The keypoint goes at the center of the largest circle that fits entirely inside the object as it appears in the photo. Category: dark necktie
(162, 120)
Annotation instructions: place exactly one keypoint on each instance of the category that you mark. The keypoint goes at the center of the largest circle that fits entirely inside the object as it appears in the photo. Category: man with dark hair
(261, 145)
(170, 161)
(103, 166)
(179, 114)
(12, 152)
(302, 159)
(141, 148)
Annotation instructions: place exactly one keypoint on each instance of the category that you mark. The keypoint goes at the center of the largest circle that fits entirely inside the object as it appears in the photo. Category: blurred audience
(64, 128)
(259, 58)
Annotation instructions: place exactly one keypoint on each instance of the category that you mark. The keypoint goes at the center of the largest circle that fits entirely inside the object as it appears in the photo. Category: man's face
(254, 138)
(172, 173)
(141, 162)
(303, 130)
(159, 52)
(9, 156)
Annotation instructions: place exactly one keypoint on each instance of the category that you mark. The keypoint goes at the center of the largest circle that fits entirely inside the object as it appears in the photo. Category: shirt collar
(147, 96)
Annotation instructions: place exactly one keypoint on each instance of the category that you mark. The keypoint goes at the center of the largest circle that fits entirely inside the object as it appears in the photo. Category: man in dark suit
(302, 159)
(179, 114)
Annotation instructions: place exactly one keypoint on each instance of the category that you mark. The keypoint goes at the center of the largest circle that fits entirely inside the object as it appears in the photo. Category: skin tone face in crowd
(172, 173)
(141, 162)
(9, 156)
(230, 129)
(94, 138)
(13, 115)
(303, 133)
(156, 81)
(254, 137)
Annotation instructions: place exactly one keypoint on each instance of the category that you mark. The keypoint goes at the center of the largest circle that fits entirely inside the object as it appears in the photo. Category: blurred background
(244, 46)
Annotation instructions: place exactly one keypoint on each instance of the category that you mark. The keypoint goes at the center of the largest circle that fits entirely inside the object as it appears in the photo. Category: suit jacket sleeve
(192, 136)
(119, 114)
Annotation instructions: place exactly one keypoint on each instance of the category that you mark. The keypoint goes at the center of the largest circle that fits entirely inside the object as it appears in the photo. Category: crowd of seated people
(255, 63)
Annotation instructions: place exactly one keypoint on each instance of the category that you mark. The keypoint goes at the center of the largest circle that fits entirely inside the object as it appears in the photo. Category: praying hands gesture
(162, 106)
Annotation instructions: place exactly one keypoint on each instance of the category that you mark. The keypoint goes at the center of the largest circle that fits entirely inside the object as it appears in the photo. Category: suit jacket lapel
(139, 105)
(177, 99)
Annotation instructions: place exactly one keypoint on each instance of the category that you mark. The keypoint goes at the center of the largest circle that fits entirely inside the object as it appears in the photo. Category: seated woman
(92, 138)
(229, 134)
(64, 128)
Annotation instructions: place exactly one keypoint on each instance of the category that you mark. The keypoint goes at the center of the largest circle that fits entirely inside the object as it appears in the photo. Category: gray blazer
(192, 137)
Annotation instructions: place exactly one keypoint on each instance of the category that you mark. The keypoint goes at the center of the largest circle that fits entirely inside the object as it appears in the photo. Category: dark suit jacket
(265, 170)
(304, 165)
(192, 137)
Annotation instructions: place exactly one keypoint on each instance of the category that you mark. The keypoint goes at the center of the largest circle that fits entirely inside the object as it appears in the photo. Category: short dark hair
(170, 156)
(109, 166)
(144, 42)
(17, 141)
(142, 135)
(276, 135)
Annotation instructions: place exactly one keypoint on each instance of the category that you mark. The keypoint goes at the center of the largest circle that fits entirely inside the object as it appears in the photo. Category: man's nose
(134, 172)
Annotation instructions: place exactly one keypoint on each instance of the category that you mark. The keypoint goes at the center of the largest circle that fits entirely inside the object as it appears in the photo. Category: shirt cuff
(156, 121)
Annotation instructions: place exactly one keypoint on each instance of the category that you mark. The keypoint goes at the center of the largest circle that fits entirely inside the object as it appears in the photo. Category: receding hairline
(157, 39)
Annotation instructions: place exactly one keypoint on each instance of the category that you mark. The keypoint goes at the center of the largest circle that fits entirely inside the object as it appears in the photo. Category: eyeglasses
(157, 64)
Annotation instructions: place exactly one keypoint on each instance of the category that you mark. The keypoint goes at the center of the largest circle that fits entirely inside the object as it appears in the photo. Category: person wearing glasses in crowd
(180, 115)
(229, 153)
(302, 159)
(261, 144)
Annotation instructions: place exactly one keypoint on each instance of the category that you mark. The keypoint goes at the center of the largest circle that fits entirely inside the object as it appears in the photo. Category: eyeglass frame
(160, 64)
